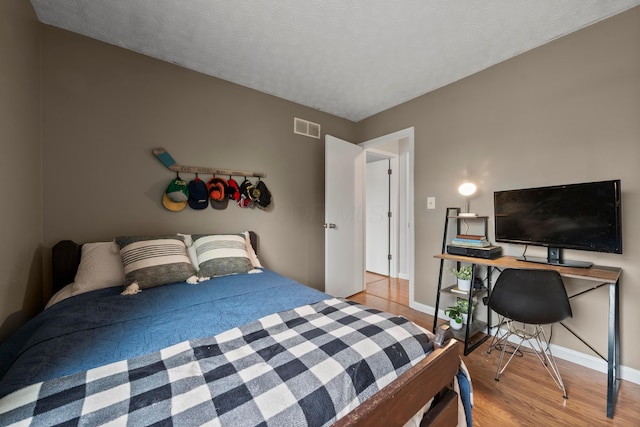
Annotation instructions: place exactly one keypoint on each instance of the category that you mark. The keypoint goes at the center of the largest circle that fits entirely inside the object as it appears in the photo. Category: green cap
(176, 196)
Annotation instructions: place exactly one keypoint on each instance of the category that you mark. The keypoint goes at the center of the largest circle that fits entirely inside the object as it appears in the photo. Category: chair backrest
(530, 296)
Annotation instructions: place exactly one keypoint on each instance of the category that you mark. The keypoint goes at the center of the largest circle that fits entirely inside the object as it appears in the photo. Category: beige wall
(106, 108)
(20, 164)
(566, 112)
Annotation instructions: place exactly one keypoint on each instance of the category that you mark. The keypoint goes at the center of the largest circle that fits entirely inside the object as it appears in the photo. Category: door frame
(394, 207)
(406, 136)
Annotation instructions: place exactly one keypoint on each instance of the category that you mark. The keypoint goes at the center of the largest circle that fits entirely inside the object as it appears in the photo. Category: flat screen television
(584, 216)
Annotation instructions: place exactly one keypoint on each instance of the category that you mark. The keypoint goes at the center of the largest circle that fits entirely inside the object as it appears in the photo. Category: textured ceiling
(352, 59)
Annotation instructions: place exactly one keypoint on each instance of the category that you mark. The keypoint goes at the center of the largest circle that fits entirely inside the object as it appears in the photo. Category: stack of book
(471, 241)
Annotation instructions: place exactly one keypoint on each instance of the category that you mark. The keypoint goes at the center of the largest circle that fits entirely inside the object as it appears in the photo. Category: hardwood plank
(390, 288)
(526, 395)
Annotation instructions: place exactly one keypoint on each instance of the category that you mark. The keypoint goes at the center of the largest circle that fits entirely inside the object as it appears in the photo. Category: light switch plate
(431, 202)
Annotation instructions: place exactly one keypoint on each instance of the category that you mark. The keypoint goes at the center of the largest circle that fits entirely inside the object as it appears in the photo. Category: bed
(234, 349)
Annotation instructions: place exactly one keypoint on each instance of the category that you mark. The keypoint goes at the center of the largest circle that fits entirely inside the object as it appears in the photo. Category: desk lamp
(467, 190)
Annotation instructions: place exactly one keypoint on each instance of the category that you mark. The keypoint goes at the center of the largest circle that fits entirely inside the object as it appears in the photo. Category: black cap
(198, 195)
(264, 200)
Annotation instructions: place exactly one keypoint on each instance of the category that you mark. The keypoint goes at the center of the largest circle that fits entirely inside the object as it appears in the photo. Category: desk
(600, 274)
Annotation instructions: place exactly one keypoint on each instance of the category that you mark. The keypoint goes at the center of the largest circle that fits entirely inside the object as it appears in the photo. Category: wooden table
(602, 275)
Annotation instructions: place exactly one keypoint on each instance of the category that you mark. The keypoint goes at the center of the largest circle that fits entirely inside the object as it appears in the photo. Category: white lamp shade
(467, 189)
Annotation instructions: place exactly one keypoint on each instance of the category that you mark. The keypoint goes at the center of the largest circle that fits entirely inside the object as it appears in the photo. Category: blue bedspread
(102, 326)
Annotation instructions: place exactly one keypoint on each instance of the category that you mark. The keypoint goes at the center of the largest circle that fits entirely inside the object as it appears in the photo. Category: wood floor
(525, 395)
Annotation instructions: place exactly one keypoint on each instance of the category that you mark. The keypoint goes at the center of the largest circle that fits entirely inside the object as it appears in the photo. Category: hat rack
(171, 164)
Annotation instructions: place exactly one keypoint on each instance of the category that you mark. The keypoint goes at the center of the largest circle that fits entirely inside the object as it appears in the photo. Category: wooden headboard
(65, 259)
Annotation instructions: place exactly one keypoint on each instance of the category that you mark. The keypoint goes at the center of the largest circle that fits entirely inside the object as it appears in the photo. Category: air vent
(306, 128)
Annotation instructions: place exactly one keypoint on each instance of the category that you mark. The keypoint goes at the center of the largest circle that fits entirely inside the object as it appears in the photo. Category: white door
(377, 221)
(344, 218)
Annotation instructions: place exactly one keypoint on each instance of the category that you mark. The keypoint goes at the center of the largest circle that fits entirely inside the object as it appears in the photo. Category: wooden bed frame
(392, 406)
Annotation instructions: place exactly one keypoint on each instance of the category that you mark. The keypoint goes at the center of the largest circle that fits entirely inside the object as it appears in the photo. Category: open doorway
(345, 241)
(389, 216)
(381, 211)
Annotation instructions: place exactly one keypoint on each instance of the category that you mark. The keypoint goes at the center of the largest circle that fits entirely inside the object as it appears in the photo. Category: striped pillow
(221, 254)
(154, 261)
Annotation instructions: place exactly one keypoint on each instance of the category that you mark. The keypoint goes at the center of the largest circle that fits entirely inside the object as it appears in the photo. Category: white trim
(424, 308)
(395, 197)
(407, 134)
(595, 363)
(381, 153)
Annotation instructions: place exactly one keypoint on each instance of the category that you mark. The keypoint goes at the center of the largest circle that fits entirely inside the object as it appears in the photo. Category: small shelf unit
(477, 331)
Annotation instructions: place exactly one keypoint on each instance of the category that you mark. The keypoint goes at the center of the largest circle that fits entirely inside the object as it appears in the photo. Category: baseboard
(595, 363)
(582, 359)
(586, 360)
(403, 276)
(424, 308)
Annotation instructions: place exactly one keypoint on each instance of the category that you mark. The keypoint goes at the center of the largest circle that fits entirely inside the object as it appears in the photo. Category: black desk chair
(530, 297)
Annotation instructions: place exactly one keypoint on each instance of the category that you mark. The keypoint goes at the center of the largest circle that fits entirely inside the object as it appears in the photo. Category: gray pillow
(154, 260)
(221, 254)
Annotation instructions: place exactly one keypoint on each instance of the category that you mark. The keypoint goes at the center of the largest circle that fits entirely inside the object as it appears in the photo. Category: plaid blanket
(307, 366)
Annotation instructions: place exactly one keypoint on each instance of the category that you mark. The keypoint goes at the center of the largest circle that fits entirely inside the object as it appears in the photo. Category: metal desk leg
(613, 361)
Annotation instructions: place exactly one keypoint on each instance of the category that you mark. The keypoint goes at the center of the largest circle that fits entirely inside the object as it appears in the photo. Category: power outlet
(431, 202)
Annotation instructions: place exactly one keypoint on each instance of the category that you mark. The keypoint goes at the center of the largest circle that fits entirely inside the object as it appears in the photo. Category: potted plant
(462, 305)
(455, 317)
(464, 277)
(458, 313)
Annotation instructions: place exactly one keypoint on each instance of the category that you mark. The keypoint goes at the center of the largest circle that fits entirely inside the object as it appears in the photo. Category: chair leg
(546, 357)
(498, 337)
(511, 330)
(542, 352)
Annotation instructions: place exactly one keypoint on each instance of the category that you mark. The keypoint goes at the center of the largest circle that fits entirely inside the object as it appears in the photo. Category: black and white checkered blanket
(307, 366)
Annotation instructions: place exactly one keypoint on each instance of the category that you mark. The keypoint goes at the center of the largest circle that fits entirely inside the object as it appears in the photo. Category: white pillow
(255, 262)
(100, 267)
(191, 249)
(62, 294)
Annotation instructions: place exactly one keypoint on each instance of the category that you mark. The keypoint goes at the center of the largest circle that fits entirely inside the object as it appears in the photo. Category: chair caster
(497, 379)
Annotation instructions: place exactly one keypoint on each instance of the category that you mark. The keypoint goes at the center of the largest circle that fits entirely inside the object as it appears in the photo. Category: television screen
(583, 216)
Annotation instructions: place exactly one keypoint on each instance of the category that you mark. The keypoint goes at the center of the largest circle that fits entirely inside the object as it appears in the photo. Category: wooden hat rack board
(217, 192)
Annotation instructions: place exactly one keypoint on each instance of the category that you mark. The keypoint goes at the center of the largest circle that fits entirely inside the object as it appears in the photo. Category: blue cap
(198, 195)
